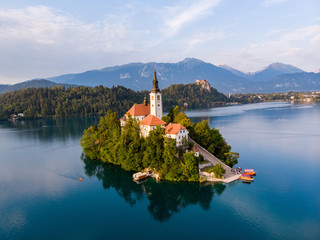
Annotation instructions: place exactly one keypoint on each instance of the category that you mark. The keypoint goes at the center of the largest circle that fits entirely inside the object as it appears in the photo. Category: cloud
(47, 26)
(272, 2)
(204, 37)
(300, 47)
(178, 16)
(39, 41)
(310, 34)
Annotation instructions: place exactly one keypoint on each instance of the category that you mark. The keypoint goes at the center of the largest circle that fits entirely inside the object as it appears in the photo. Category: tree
(172, 167)
(218, 170)
(131, 143)
(154, 145)
(190, 167)
(90, 143)
(109, 135)
(231, 158)
(2, 113)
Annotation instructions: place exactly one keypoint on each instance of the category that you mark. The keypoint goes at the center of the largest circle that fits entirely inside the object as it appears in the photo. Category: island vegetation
(125, 147)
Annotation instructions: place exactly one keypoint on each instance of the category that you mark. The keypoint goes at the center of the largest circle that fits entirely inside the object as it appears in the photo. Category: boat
(250, 172)
(80, 179)
(245, 177)
(139, 176)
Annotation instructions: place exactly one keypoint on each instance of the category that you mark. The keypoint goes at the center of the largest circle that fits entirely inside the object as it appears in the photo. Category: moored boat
(139, 176)
(246, 177)
(250, 172)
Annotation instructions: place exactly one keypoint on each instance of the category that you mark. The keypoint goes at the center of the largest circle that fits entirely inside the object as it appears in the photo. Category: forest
(58, 101)
(109, 143)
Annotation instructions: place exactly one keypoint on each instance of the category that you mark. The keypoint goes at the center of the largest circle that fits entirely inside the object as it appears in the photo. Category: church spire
(155, 87)
(145, 101)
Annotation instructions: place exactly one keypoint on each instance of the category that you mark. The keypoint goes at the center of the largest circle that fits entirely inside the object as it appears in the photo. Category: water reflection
(49, 129)
(165, 198)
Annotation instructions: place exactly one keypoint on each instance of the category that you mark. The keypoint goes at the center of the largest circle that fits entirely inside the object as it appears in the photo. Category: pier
(228, 177)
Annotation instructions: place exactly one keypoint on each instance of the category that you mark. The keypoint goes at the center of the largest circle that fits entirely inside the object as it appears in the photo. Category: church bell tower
(156, 99)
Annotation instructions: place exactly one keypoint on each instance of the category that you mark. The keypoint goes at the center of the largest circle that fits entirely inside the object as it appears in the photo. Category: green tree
(2, 113)
(172, 167)
(190, 167)
(231, 158)
(218, 170)
(90, 142)
(131, 146)
(109, 135)
(154, 146)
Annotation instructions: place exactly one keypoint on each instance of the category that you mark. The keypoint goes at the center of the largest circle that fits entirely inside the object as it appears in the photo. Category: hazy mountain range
(36, 83)
(277, 77)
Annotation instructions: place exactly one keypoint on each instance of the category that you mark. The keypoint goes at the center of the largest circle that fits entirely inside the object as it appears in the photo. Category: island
(170, 146)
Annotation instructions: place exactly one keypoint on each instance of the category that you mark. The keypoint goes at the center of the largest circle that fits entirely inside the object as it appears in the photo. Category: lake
(41, 198)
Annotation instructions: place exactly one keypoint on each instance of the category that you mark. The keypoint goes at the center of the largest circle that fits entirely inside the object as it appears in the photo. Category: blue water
(41, 198)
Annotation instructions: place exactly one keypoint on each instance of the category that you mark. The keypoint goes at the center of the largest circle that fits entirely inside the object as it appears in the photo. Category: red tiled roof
(151, 120)
(139, 110)
(174, 128)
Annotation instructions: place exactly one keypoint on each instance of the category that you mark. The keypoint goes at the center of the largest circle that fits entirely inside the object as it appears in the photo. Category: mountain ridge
(138, 76)
(35, 83)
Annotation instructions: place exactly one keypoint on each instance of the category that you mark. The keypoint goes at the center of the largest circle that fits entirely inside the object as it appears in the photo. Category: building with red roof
(138, 111)
(177, 132)
(149, 116)
(149, 123)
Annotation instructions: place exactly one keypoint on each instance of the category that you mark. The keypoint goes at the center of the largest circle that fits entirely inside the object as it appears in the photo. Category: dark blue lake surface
(41, 198)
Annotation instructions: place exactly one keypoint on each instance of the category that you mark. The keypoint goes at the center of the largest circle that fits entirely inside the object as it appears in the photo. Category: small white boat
(139, 176)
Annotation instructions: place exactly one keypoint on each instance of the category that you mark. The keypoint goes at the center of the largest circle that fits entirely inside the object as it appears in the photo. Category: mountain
(266, 74)
(138, 76)
(36, 83)
(274, 70)
(290, 82)
(236, 72)
(3, 87)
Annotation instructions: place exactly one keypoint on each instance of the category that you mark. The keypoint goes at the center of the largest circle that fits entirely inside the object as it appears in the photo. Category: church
(149, 116)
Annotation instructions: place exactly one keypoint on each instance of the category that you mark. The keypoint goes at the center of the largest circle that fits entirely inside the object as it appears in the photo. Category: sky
(48, 38)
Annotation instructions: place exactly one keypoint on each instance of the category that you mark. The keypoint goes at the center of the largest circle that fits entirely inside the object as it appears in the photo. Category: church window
(158, 97)
(152, 105)
(158, 105)
(152, 97)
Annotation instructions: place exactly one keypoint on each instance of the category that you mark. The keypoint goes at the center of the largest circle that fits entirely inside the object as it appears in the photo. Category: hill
(224, 78)
(86, 101)
(137, 75)
(36, 83)
(3, 87)
(274, 70)
(302, 82)
(236, 72)
(192, 96)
